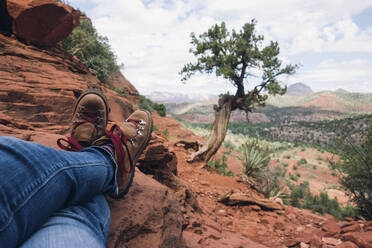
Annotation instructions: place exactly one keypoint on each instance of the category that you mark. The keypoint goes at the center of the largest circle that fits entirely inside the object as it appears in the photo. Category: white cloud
(152, 40)
(354, 75)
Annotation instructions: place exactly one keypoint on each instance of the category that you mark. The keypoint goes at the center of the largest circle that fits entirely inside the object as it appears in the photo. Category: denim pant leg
(84, 225)
(36, 181)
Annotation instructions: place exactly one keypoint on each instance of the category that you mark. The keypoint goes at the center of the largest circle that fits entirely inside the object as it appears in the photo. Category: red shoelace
(72, 144)
(118, 141)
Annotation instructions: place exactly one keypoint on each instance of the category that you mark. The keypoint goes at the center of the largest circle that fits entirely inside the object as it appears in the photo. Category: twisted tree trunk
(218, 132)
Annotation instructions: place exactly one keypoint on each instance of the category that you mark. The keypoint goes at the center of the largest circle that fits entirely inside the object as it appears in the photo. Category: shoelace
(119, 141)
(72, 144)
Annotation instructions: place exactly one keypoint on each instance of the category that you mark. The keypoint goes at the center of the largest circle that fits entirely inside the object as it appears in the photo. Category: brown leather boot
(128, 141)
(89, 120)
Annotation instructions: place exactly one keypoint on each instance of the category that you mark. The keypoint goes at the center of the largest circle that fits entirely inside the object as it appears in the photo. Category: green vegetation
(237, 57)
(92, 49)
(302, 161)
(160, 108)
(220, 166)
(121, 91)
(301, 197)
(166, 132)
(147, 104)
(255, 158)
(356, 173)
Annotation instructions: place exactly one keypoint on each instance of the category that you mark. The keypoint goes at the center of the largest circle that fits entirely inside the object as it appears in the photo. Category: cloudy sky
(331, 40)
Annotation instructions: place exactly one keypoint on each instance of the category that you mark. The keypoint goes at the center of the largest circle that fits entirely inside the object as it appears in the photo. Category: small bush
(166, 132)
(229, 145)
(92, 49)
(301, 197)
(220, 166)
(287, 156)
(147, 104)
(255, 158)
(160, 108)
(302, 161)
(295, 167)
(122, 92)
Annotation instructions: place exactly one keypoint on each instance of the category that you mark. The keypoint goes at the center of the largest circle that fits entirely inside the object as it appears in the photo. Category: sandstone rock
(331, 241)
(160, 162)
(118, 80)
(315, 241)
(157, 157)
(304, 245)
(149, 216)
(292, 242)
(353, 228)
(361, 239)
(331, 227)
(42, 22)
(38, 89)
(347, 244)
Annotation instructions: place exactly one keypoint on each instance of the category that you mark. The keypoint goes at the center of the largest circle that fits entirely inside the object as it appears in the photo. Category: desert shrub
(220, 166)
(229, 145)
(302, 161)
(160, 108)
(287, 156)
(166, 132)
(92, 49)
(255, 158)
(121, 91)
(295, 167)
(147, 104)
(155, 128)
(356, 173)
(301, 197)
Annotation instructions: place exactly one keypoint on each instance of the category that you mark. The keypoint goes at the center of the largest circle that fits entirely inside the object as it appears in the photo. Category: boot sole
(123, 193)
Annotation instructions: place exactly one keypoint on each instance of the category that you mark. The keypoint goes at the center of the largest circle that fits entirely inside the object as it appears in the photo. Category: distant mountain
(340, 90)
(299, 89)
(325, 105)
(168, 97)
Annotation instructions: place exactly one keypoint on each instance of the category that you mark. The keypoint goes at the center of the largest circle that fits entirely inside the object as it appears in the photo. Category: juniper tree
(236, 56)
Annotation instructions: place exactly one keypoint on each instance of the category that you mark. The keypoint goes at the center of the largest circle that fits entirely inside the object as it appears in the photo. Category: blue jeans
(54, 198)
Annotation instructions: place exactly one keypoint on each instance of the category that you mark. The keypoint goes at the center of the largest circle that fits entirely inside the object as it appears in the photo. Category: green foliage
(92, 49)
(147, 104)
(121, 91)
(229, 145)
(166, 132)
(301, 197)
(302, 161)
(255, 158)
(220, 166)
(295, 167)
(356, 173)
(160, 108)
(155, 128)
(235, 56)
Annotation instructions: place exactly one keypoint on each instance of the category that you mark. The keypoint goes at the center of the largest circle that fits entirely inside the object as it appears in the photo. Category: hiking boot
(89, 120)
(128, 140)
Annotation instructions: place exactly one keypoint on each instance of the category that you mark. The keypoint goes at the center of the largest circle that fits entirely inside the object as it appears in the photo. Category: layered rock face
(38, 87)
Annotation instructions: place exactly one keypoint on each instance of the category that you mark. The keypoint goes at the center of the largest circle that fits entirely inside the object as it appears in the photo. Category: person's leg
(36, 181)
(84, 225)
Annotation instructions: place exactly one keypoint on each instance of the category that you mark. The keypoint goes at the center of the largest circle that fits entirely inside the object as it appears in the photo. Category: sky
(331, 40)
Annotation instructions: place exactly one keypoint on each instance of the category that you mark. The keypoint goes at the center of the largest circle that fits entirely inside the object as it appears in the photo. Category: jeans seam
(38, 187)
